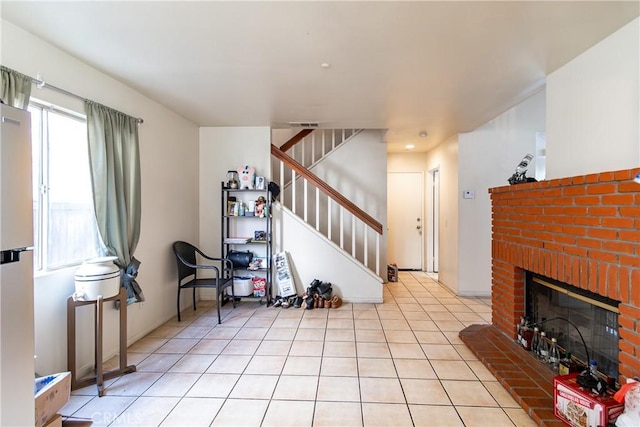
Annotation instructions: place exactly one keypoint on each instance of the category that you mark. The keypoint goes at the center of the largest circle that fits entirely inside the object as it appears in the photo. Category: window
(65, 229)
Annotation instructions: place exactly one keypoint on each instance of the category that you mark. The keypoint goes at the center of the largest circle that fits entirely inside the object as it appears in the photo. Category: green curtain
(114, 159)
(15, 89)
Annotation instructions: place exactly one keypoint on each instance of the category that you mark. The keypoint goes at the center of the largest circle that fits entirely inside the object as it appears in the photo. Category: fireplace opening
(549, 301)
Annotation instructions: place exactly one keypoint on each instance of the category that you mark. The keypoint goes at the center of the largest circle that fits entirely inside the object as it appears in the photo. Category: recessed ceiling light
(423, 134)
(409, 146)
(325, 65)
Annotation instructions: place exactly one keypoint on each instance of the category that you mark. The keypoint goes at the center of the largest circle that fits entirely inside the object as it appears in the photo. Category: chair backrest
(187, 252)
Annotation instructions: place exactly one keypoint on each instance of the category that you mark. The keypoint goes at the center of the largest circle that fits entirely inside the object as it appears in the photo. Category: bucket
(242, 286)
(98, 276)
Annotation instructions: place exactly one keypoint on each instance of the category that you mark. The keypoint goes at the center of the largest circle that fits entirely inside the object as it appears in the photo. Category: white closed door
(17, 370)
(405, 200)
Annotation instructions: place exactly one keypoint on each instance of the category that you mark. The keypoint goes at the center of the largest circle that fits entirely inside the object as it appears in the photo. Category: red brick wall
(584, 231)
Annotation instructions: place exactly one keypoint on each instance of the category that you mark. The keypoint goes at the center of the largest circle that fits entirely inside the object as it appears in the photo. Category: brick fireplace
(583, 231)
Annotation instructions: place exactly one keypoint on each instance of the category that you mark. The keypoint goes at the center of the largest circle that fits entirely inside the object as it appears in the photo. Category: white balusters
(310, 207)
(305, 203)
(353, 235)
(377, 254)
(329, 218)
(365, 233)
(341, 227)
(293, 191)
(282, 182)
(317, 209)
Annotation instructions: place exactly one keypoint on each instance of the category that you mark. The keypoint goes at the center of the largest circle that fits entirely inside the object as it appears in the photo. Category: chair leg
(179, 304)
(233, 296)
(218, 304)
(194, 299)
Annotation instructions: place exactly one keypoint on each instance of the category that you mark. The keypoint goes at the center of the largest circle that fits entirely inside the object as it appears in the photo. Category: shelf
(235, 227)
(233, 190)
(244, 216)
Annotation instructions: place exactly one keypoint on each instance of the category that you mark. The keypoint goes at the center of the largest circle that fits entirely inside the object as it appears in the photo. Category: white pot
(98, 276)
(242, 286)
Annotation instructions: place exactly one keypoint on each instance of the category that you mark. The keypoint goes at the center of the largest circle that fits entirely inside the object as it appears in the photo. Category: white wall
(223, 149)
(593, 116)
(444, 158)
(169, 163)
(487, 157)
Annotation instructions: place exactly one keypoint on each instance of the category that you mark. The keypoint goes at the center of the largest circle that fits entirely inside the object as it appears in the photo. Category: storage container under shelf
(242, 286)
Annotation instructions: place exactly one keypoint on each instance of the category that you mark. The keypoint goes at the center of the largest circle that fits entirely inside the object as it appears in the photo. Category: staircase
(325, 212)
(308, 147)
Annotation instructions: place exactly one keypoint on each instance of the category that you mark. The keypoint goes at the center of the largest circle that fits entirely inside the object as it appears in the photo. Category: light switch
(469, 194)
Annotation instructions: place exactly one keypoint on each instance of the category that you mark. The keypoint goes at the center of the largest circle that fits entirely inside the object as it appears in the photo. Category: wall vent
(312, 125)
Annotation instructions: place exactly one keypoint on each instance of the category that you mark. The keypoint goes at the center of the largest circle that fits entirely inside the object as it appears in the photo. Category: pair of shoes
(309, 301)
(291, 302)
(278, 302)
(325, 290)
(336, 301)
(317, 299)
(324, 287)
(313, 287)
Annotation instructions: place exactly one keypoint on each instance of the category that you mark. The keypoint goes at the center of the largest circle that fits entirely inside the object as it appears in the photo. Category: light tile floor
(400, 363)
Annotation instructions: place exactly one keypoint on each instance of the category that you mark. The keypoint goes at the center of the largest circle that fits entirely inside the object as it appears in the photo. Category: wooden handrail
(327, 189)
(295, 139)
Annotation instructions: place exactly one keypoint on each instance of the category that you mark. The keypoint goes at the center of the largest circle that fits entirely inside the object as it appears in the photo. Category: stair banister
(296, 138)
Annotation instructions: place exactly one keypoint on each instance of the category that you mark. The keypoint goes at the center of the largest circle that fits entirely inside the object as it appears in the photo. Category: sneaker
(278, 302)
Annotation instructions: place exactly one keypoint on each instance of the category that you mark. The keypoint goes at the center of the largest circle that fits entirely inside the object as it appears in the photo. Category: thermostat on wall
(469, 194)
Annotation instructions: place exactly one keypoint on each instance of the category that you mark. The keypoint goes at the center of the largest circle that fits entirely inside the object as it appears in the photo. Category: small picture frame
(261, 183)
(260, 235)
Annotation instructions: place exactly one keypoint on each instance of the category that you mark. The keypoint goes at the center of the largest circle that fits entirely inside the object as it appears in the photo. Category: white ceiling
(440, 67)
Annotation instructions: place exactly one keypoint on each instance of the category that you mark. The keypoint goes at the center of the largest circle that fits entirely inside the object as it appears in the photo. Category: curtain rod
(41, 84)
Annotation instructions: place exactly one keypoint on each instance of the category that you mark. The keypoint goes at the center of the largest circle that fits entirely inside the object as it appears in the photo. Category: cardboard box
(56, 421)
(578, 407)
(51, 393)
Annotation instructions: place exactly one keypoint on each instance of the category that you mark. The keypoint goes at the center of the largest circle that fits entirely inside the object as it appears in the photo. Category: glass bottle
(567, 365)
(519, 327)
(543, 348)
(554, 355)
(535, 341)
(527, 334)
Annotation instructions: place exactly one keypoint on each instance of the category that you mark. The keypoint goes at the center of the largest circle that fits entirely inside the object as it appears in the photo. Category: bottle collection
(545, 348)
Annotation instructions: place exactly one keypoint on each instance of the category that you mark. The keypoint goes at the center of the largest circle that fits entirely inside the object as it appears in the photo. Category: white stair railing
(332, 215)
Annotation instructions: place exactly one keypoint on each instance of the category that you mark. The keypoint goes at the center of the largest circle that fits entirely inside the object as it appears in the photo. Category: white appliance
(17, 371)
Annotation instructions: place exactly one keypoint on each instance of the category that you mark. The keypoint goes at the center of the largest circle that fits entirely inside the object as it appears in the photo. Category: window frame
(41, 213)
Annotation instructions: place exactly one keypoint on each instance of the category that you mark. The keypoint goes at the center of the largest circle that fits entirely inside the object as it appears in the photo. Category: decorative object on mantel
(519, 176)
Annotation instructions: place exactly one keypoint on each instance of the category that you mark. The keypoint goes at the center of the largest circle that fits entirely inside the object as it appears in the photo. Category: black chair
(188, 269)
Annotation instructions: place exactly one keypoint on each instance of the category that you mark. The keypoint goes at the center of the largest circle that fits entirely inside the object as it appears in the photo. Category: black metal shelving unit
(232, 224)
